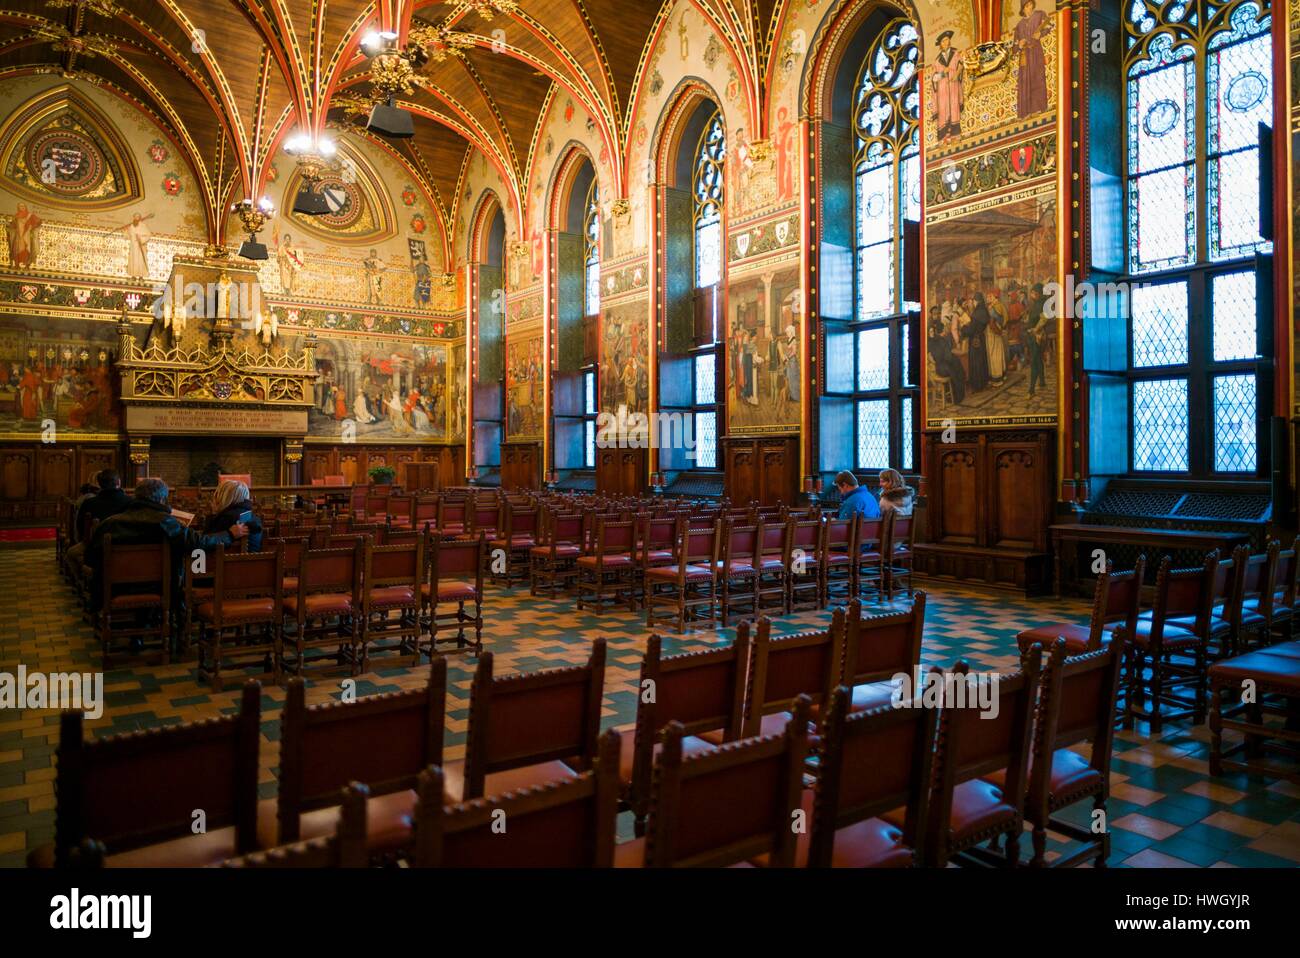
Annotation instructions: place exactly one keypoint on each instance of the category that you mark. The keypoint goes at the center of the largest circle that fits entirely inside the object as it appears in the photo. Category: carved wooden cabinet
(763, 469)
(621, 471)
(521, 465)
(989, 507)
(35, 476)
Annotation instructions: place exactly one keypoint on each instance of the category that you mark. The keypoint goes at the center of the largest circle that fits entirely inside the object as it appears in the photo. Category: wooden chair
(137, 792)
(739, 573)
(518, 537)
(690, 583)
(839, 570)
(1250, 614)
(869, 570)
(879, 647)
(528, 729)
(771, 564)
(607, 575)
(898, 552)
(727, 805)
(703, 691)
(483, 516)
(1076, 704)
(383, 741)
(452, 517)
(656, 542)
(1173, 655)
(1286, 607)
(400, 512)
(966, 811)
(345, 848)
(553, 563)
(804, 586)
(567, 823)
(326, 605)
(871, 763)
(391, 600)
(455, 579)
(1116, 603)
(244, 619)
(135, 584)
(1272, 677)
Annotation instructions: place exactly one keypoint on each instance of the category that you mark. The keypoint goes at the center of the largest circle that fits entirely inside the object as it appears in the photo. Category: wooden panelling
(521, 465)
(762, 469)
(621, 471)
(35, 476)
(989, 506)
(354, 462)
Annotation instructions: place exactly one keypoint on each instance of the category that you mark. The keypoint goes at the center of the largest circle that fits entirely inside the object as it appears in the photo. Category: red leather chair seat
(659, 555)
(668, 573)
(238, 610)
(977, 806)
(869, 557)
(1287, 650)
(630, 854)
(1251, 608)
(873, 843)
(691, 745)
(453, 591)
(189, 851)
(738, 567)
(143, 600)
(516, 542)
(392, 596)
(773, 565)
(290, 584)
(1218, 624)
(387, 821)
(1076, 637)
(498, 783)
(838, 558)
(561, 552)
(320, 603)
(1174, 637)
(1070, 774)
(1281, 671)
(618, 561)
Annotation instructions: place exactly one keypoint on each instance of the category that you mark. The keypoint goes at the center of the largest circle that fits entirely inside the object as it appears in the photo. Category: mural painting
(991, 349)
(524, 385)
(624, 374)
(59, 374)
(766, 310)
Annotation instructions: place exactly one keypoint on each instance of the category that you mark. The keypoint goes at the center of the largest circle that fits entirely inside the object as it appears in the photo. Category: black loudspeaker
(389, 120)
(1279, 446)
(310, 202)
(911, 261)
(1266, 187)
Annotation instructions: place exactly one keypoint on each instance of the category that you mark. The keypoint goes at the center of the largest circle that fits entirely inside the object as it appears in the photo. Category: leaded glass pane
(873, 434)
(1159, 319)
(708, 254)
(706, 440)
(873, 359)
(912, 188)
(1162, 118)
(705, 390)
(1235, 318)
(1234, 205)
(906, 357)
(589, 387)
(1162, 227)
(1160, 425)
(1234, 423)
(906, 425)
(1241, 90)
(876, 281)
(875, 205)
(593, 288)
(589, 453)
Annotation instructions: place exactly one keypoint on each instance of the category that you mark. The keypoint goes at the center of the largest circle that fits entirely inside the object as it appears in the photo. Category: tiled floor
(1165, 809)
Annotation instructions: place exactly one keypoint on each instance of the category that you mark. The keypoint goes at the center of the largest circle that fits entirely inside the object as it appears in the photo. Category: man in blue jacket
(855, 500)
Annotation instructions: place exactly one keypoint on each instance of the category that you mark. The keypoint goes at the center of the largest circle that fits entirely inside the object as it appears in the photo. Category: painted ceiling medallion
(59, 149)
(359, 209)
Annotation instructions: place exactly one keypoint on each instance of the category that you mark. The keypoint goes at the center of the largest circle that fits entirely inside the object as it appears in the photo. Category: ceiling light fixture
(253, 216)
(313, 157)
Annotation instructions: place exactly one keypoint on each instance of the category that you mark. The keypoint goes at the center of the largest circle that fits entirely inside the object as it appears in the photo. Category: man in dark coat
(108, 501)
(975, 334)
(945, 363)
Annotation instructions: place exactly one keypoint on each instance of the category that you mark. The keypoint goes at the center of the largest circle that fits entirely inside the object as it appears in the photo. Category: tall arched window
(1198, 84)
(707, 189)
(887, 192)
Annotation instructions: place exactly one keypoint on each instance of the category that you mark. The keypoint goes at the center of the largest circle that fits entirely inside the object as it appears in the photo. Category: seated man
(108, 501)
(149, 519)
(855, 500)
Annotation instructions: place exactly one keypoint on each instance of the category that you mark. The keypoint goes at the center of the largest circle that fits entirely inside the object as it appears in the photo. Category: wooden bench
(1067, 534)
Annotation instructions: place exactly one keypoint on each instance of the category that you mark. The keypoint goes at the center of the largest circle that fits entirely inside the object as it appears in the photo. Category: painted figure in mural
(749, 361)
(787, 156)
(945, 363)
(975, 334)
(374, 277)
(423, 281)
(630, 378)
(1036, 330)
(291, 263)
(1031, 93)
(29, 393)
(24, 236)
(948, 80)
(361, 409)
(997, 342)
(137, 245)
(790, 357)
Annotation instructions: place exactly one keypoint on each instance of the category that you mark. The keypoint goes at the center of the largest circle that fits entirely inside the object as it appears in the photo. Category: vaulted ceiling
(231, 79)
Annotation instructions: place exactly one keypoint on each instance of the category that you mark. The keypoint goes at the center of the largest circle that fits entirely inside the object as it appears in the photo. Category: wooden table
(1068, 533)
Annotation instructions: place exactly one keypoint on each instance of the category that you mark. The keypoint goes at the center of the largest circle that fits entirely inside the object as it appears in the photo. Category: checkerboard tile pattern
(1165, 809)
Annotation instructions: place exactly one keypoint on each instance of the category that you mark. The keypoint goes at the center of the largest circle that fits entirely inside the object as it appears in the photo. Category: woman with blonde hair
(232, 505)
(895, 494)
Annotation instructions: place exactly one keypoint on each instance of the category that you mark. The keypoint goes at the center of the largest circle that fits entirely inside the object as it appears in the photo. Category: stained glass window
(705, 390)
(1160, 425)
(706, 440)
(1198, 84)
(887, 192)
(591, 236)
(707, 185)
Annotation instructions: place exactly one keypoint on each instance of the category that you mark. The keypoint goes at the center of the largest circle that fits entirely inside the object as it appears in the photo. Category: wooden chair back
(783, 668)
(531, 718)
(134, 568)
(253, 575)
(878, 647)
(569, 823)
(324, 747)
(346, 848)
(1183, 592)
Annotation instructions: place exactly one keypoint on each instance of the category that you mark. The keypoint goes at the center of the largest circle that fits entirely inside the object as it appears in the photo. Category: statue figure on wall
(137, 245)
(948, 78)
(24, 237)
(291, 262)
(374, 277)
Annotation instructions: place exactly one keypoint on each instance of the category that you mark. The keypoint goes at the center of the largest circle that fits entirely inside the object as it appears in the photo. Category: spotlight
(254, 217)
(387, 119)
